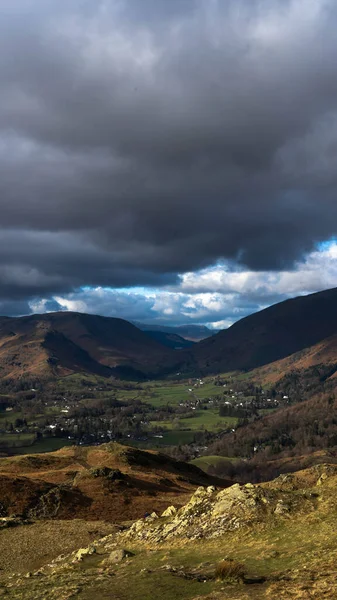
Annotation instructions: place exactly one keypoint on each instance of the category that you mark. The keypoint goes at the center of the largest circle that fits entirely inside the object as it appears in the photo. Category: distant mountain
(171, 340)
(65, 342)
(271, 334)
(193, 333)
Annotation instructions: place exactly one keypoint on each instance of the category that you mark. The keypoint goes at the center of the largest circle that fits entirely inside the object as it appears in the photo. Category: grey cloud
(150, 309)
(143, 139)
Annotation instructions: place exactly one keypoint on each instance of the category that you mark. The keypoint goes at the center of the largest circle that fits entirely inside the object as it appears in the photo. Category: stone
(82, 552)
(169, 512)
(117, 556)
(199, 492)
(281, 508)
(321, 479)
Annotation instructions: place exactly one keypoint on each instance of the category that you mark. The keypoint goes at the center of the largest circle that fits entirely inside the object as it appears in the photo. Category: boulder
(117, 556)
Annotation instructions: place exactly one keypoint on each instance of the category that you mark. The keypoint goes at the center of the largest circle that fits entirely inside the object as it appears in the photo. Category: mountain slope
(59, 343)
(193, 333)
(271, 334)
(171, 340)
(322, 354)
(295, 430)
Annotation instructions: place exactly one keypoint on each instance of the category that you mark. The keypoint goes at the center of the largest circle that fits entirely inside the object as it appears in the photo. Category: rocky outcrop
(210, 513)
(83, 552)
(56, 503)
(107, 473)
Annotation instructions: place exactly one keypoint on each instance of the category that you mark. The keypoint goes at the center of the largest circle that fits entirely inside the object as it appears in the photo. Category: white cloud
(217, 296)
(76, 305)
(317, 271)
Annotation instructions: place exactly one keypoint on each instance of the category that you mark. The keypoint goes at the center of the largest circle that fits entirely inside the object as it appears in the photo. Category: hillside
(171, 340)
(246, 542)
(320, 355)
(110, 482)
(270, 335)
(301, 428)
(193, 333)
(65, 342)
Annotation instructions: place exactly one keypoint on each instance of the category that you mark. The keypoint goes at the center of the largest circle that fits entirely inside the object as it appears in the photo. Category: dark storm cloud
(143, 139)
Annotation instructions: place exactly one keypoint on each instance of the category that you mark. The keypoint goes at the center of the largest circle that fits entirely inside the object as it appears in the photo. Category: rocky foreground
(210, 512)
(268, 541)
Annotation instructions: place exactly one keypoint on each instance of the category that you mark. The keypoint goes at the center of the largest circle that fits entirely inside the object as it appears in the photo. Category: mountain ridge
(270, 334)
(55, 344)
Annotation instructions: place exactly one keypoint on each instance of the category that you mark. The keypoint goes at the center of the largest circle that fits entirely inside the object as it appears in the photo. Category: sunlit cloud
(217, 296)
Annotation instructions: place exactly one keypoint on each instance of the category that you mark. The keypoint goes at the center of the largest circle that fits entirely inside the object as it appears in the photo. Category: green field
(160, 394)
(10, 416)
(16, 440)
(44, 445)
(170, 438)
(202, 419)
(156, 393)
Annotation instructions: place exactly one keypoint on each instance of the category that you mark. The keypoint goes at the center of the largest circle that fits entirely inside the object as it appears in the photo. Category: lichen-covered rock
(210, 513)
(83, 552)
(169, 512)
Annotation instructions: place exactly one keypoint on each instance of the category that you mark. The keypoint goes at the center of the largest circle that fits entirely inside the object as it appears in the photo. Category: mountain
(271, 334)
(171, 340)
(65, 342)
(314, 359)
(193, 333)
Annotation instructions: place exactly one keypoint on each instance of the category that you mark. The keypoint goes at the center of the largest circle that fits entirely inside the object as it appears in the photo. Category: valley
(80, 409)
(125, 448)
(101, 391)
(168, 300)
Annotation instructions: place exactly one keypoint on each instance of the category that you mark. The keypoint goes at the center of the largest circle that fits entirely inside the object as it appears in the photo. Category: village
(150, 414)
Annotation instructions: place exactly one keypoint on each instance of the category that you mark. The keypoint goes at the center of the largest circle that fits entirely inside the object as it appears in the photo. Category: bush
(229, 569)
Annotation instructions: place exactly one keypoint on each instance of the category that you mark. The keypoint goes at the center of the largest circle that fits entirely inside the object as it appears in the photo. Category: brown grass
(229, 569)
(23, 480)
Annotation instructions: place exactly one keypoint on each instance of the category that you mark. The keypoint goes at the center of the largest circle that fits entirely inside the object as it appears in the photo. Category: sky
(166, 161)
